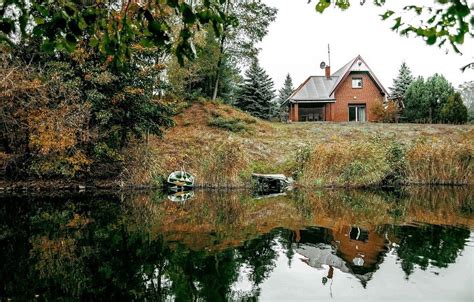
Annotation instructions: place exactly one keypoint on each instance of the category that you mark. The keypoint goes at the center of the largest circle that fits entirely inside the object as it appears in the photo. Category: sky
(297, 42)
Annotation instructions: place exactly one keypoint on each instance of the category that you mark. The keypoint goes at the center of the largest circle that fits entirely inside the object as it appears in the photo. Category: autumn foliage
(61, 114)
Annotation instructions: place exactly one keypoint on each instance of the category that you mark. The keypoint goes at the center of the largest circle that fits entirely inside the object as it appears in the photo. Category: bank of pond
(222, 246)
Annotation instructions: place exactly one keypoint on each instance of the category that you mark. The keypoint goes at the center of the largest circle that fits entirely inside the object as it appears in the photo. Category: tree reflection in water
(144, 247)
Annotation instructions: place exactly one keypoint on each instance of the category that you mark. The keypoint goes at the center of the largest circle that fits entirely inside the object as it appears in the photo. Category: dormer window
(356, 82)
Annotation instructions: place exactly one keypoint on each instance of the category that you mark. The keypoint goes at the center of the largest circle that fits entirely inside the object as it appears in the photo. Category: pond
(411, 244)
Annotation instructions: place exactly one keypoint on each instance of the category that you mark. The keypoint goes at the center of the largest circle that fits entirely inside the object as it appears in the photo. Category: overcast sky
(297, 43)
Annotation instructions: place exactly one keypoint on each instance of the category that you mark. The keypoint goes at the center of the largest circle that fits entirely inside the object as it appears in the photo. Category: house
(349, 94)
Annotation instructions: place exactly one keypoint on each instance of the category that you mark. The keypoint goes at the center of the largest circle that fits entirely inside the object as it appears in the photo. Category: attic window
(356, 82)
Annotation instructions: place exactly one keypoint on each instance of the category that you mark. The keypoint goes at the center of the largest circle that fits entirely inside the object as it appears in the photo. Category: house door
(357, 113)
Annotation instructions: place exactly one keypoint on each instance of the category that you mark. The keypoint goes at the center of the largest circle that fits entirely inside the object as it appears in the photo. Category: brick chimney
(328, 72)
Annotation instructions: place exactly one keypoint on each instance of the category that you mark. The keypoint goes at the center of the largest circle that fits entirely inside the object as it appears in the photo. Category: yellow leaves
(50, 131)
(134, 90)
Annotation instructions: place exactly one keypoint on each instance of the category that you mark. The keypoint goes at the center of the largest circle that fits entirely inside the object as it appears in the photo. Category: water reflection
(230, 246)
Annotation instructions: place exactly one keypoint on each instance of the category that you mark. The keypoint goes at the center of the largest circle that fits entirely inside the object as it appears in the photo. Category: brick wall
(369, 94)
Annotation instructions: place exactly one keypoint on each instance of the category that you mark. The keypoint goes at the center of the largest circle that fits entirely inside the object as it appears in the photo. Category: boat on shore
(180, 180)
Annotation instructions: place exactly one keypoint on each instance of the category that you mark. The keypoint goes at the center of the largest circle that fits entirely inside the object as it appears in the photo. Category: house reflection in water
(351, 250)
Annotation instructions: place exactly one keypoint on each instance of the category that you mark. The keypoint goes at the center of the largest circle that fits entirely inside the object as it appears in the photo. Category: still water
(411, 245)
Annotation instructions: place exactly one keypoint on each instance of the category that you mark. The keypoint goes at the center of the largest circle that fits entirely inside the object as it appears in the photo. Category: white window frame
(360, 80)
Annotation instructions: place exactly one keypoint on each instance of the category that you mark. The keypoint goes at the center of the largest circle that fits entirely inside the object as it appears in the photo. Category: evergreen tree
(416, 107)
(454, 111)
(256, 92)
(425, 99)
(287, 89)
(401, 84)
(283, 94)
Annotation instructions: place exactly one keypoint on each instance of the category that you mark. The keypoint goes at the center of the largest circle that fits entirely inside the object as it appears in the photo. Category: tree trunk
(221, 54)
(219, 65)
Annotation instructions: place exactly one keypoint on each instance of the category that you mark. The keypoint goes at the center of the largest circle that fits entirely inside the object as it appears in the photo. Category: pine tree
(287, 89)
(401, 84)
(256, 92)
(283, 94)
(416, 102)
(454, 111)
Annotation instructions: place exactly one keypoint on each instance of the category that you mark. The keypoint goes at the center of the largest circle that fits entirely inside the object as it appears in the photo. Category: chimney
(328, 72)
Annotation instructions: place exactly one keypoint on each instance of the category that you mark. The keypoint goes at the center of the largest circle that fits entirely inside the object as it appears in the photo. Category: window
(357, 113)
(356, 82)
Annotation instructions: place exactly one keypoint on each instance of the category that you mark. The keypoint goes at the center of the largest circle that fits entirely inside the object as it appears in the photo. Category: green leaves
(322, 5)
(111, 30)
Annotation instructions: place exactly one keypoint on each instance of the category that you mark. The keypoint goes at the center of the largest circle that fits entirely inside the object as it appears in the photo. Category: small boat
(180, 180)
(181, 197)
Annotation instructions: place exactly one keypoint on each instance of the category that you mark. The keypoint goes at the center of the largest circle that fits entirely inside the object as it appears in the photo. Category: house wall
(369, 95)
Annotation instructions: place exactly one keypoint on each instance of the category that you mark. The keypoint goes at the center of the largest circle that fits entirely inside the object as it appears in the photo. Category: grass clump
(230, 124)
(223, 165)
(230, 119)
(440, 162)
(344, 163)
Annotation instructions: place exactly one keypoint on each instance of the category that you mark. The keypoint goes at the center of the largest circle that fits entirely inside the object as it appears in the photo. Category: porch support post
(297, 114)
(290, 112)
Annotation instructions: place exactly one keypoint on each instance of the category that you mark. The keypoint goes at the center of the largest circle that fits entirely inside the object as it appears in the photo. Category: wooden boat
(180, 180)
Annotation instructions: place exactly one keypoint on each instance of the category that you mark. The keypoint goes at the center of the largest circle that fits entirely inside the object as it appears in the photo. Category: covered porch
(310, 112)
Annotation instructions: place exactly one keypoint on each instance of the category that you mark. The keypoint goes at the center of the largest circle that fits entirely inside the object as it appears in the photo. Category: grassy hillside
(223, 146)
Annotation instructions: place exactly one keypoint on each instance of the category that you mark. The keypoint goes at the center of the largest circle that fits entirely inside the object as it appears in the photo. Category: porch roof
(315, 88)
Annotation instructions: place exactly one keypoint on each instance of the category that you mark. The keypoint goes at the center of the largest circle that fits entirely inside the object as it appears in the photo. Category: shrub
(386, 112)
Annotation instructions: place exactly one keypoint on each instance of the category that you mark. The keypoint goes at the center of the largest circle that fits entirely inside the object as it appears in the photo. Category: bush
(387, 113)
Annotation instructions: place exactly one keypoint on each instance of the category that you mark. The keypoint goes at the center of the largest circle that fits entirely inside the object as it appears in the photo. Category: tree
(283, 94)
(467, 92)
(438, 90)
(244, 24)
(60, 113)
(196, 78)
(256, 92)
(400, 85)
(287, 89)
(444, 21)
(424, 100)
(416, 108)
(111, 28)
(454, 111)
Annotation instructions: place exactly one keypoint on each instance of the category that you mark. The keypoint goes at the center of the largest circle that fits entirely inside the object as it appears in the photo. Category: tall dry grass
(440, 162)
(223, 166)
(345, 163)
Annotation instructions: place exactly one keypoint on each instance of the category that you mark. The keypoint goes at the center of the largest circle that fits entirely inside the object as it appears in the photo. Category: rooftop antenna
(329, 55)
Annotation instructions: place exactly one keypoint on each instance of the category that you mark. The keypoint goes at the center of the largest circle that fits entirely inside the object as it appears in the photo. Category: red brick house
(349, 94)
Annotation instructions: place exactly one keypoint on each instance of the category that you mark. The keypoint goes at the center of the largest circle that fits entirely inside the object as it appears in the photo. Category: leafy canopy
(109, 27)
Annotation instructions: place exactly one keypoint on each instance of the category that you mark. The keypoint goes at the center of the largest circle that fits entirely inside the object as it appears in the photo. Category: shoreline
(49, 186)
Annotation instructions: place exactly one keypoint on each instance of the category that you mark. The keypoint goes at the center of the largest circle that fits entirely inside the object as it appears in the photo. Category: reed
(440, 163)
(345, 163)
